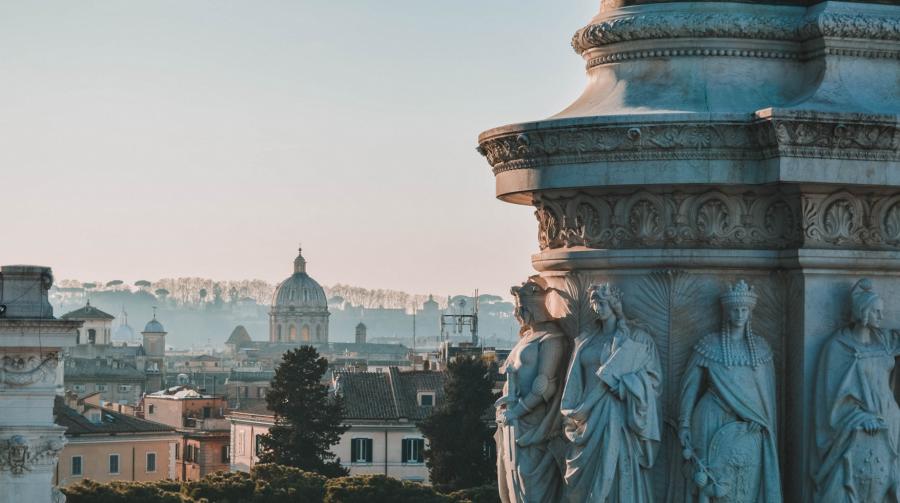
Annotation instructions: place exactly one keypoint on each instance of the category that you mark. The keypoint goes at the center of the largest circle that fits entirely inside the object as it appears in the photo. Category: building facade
(105, 445)
(381, 410)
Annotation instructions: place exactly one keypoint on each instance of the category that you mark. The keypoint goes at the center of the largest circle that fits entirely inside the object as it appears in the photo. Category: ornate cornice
(734, 25)
(795, 135)
(768, 218)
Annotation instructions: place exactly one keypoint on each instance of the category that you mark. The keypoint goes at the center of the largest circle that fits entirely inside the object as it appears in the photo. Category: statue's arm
(690, 390)
(546, 383)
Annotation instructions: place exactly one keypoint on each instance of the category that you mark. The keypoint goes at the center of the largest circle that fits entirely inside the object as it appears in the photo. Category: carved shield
(735, 462)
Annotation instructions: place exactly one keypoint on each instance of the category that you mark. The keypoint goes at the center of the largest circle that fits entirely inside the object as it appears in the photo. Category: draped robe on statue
(613, 380)
(852, 387)
(730, 397)
(538, 451)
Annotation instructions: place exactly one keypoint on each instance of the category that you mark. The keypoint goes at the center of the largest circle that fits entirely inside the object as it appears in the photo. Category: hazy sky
(160, 138)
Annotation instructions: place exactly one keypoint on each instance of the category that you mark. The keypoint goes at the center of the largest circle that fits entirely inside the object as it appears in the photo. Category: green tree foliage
(268, 483)
(308, 420)
(372, 488)
(457, 431)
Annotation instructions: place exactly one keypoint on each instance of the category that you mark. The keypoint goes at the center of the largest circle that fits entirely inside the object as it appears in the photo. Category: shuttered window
(361, 450)
(413, 450)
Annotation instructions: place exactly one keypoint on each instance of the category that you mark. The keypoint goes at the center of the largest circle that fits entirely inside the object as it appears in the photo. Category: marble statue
(529, 442)
(726, 417)
(610, 406)
(857, 420)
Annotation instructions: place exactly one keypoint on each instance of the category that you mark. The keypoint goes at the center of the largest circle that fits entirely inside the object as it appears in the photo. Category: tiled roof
(87, 312)
(111, 422)
(388, 395)
(239, 337)
(97, 369)
(251, 376)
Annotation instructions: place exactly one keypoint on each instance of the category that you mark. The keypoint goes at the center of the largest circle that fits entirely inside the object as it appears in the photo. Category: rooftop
(88, 312)
(107, 422)
(389, 395)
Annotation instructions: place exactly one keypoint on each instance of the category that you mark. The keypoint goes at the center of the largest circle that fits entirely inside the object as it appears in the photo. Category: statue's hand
(684, 435)
(578, 415)
(508, 416)
(872, 426)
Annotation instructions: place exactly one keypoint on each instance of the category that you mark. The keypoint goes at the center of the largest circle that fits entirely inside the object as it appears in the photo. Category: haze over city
(208, 139)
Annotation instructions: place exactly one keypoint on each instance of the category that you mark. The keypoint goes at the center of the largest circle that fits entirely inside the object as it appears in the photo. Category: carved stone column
(30, 344)
(716, 141)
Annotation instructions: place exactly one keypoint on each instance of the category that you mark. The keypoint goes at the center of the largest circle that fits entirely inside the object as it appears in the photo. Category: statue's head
(867, 306)
(606, 301)
(738, 303)
(531, 301)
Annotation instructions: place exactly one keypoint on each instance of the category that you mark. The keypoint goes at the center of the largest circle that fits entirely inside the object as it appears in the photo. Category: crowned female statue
(610, 406)
(529, 443)
(857, 421)
(726, 418)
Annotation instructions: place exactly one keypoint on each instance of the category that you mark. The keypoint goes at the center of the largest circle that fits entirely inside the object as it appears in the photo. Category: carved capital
(20, 454)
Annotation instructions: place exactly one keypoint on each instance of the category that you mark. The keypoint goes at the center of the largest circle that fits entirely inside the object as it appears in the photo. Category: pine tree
(460, 453)
(307, 419)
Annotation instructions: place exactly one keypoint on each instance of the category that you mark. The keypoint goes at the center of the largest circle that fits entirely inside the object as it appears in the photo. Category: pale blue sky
(160, 138)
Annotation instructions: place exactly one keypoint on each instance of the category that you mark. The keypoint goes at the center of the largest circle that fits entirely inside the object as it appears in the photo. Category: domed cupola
(300, 291)
(299, 308)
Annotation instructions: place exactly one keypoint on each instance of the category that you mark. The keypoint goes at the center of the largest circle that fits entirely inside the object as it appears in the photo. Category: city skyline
(209, 139)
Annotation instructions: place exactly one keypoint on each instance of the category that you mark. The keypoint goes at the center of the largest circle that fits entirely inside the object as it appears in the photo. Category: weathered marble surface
(714, 142)
(857, 420)
(610, 405)
(529, 437)
(727, 416)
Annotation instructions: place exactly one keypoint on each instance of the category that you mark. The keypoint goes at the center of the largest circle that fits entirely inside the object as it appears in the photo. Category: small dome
(123, 334)
(300, 290)
(154, 326)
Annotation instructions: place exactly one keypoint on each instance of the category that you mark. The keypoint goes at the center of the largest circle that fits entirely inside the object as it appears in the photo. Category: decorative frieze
(874, 138)
(753, 219)
(28, 369)
(735, 25)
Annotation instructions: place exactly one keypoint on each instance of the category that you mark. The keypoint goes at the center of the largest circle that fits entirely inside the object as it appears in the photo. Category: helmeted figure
(529, 437)
(610, 406)
(857, 422)
(726, 420)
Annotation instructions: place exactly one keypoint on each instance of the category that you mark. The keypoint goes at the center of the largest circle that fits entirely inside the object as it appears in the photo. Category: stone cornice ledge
(768, 134)
(786, 24)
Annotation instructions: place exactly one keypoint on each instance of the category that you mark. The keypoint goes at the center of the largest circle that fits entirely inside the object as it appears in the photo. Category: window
(426, 399)
(101, 387)
(260, 448)
(177, 451)
(124, 388)
(413, 450)
(151, 408)
(113, 464)
(261, 392)
(151, 462)
(361, 450)
(207, 412)
(76, 466)
(225, 453)
(243, 391)
(78, 337)
(92, 336)
(79, 388)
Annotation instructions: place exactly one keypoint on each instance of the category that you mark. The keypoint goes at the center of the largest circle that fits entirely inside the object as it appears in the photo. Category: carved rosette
(28, 369)
(739, 219)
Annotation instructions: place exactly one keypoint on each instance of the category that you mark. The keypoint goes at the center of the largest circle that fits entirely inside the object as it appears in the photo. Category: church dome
(123, 334)
(300, 290)
(154, 326)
